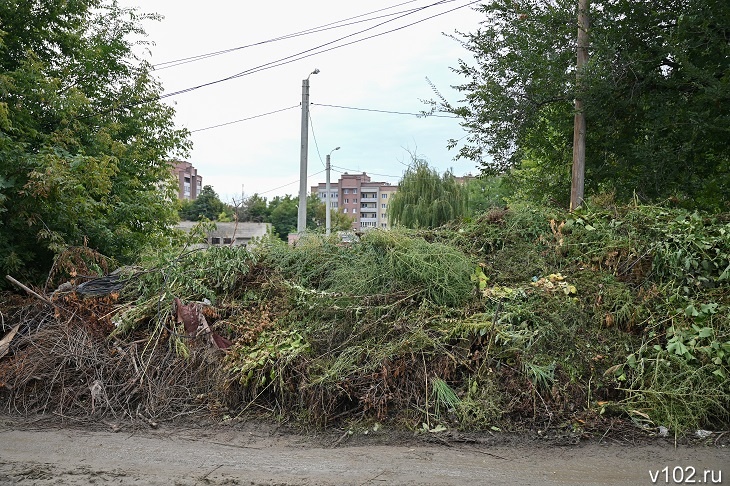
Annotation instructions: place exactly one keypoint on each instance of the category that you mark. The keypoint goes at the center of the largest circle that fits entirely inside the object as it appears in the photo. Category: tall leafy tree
(283, 214)
(207, 205)
(656, 95)
(425, 199)
(83, 142)
(254, 209)
(486, 193)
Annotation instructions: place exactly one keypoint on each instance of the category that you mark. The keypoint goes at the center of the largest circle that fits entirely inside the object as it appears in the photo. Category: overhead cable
(371, 173)
(296, 57)
(315, 137)
(420, 115)
(308, 52)
(289, 184)
(313, 30)
(244, 119)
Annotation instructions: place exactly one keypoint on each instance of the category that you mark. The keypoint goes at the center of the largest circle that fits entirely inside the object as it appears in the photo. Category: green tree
(487, 192)
(425, 199)
(339, 221)
(83, 145)
(283, 215)
(254, 209)
(206, 206)
(655, 91)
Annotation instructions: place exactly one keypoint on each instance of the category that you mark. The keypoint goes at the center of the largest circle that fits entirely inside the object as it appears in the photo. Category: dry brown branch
(29, 290)
(66, 368)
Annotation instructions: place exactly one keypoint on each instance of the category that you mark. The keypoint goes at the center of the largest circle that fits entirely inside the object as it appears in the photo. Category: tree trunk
(579, 130)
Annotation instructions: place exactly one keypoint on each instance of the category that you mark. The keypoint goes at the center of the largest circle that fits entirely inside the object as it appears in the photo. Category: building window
(383, 205)
(383, 225)
(354, 191)
(344, 210)
(355, 200)
(354, 210)
(384, 196)
(215, 241)
(226, 241)
(346, 191)
(383, 215)
(347, 201)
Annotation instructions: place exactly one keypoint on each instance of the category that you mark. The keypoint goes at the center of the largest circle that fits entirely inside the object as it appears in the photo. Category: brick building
(190, 184)
(357, 196)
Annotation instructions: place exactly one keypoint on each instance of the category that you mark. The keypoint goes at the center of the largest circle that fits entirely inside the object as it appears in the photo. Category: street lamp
(302, 215)
(328, 217)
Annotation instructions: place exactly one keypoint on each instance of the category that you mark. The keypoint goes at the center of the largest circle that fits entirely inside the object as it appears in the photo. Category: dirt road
(264, 455)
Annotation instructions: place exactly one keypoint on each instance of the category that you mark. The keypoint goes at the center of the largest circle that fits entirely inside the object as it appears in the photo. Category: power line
(422, 115)
(310, 118)
(290, 183)
(371, 173)
(298, 56)
(308, 52)
(244, 119)
(315, 137)
(312, 30)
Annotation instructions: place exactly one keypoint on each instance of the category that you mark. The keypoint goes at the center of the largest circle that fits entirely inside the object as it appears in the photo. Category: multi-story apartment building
(190, 184)
(360, 198)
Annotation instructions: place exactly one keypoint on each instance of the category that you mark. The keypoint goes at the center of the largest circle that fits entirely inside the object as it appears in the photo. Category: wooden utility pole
(579, 125)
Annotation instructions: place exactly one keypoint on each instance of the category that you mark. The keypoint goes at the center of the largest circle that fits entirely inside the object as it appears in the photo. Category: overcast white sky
(387, 72)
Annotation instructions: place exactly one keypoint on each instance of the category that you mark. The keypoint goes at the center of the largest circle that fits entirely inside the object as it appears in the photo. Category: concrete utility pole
(579, 125)
(302, 215)
(328, 217)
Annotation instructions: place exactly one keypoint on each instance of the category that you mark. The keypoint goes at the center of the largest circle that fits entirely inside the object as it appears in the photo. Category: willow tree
(427, 200)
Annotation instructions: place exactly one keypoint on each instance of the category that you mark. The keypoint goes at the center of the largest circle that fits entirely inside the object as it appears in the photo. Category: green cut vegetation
(520, 319)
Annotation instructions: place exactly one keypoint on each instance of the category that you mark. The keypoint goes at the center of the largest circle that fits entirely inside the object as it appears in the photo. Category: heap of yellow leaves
(555, 282)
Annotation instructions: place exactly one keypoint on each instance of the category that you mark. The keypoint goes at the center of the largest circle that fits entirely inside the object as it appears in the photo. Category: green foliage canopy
(655, 90)
(487, 192)
(339, 221)
(83, 144)
(284, 214)
(207, 205)
(425, 199)
(254, 209)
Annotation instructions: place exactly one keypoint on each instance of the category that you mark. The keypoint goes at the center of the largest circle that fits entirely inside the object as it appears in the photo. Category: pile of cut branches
(519, 319)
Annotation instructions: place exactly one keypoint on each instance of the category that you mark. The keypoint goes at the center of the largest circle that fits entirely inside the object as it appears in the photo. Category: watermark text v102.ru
(685, 475)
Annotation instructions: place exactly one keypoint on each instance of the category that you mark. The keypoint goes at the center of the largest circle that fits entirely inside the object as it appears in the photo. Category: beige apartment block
(357, 196)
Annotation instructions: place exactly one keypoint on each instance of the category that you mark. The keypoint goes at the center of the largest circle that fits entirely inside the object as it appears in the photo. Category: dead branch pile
(65, 364)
